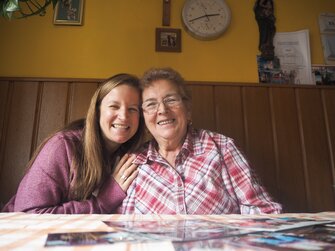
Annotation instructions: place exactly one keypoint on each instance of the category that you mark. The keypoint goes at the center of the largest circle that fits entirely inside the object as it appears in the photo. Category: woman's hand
(125, 172)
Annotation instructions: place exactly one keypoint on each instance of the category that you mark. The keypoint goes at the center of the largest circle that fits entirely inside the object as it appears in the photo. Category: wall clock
(206, 19)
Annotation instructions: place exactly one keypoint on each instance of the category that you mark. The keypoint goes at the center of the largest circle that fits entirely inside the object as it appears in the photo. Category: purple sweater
(45, 187)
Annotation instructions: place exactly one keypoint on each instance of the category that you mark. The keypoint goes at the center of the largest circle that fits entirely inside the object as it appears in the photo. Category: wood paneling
(259, 135)
(18, 137)
(317, 159)
(4, 89)
(53, 110)
(288, 151)
(328, 97)
(229, 113)
(287, 132)
(4, 100)
(79, 99)
(203, 108)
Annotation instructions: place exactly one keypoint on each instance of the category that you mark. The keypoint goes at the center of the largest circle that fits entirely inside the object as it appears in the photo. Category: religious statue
(264, 14)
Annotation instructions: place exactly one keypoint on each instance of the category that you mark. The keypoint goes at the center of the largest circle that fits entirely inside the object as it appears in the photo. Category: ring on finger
(123, 177)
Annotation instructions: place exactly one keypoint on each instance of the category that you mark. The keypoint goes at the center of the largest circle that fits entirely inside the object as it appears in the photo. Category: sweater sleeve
(45, 187)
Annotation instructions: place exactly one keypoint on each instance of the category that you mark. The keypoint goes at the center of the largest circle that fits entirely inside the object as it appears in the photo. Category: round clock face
(206, 19)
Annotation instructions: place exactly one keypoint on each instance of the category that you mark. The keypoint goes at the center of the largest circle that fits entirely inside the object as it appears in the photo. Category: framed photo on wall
(324, 74)
(69, 12)
(168, 40)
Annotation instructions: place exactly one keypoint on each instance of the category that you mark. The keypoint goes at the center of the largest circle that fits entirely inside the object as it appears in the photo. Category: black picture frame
(168, 40)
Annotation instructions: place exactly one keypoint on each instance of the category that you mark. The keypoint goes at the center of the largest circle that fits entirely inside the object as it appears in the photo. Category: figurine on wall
(264, 14)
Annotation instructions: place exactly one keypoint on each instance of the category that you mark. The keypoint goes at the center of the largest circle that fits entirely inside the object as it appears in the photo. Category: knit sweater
(45, 187)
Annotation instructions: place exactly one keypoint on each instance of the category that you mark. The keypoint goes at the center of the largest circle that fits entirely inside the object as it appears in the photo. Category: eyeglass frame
(164, 101)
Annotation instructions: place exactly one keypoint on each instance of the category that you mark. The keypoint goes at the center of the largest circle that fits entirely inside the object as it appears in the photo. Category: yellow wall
(118, 36)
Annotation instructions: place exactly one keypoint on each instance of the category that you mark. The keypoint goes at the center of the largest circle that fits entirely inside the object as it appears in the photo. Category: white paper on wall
(327, 30)
(293, 51)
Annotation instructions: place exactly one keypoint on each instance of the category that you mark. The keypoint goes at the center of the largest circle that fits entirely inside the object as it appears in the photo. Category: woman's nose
(161, 107)
(123, 113)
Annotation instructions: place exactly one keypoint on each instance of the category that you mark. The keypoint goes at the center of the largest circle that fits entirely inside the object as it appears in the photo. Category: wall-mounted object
(166, 12)
(206, 20)
(328, 44)
(294, 53)
(327, 22)
(327, 31)
(324, 74)
(69, 12)
(264, 15)
(168, 40)
(25, 8)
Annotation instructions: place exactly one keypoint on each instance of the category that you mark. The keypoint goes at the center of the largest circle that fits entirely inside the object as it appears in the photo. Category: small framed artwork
(324, 74)
(168, 40)
(327, 22)
(69, 12)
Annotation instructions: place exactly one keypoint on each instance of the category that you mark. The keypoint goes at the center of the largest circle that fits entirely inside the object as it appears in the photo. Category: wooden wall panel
(229, 113)
(79, 99)
(259, 136)
(203, 107)
(18, 138)
(53, 110)
(290, 173)
(329, 108)
(4, 89)
(320, 193)
(4, 99)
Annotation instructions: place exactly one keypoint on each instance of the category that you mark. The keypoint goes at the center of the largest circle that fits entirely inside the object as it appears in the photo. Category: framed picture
(327, 22)
(324, 74)
(328, 46)
(168, 40)
(69, 12)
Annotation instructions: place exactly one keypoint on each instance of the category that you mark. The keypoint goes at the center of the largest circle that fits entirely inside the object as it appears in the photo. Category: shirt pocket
(205, 189)
(154, 192)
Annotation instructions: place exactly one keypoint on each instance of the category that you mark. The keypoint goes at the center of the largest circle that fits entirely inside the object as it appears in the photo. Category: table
(21, 231)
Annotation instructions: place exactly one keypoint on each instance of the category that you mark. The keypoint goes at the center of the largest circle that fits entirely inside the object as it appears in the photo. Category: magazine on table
(274, 224)
(196, 232)
(178, 230)
(146, 231)
(89, 238)
(314, 238)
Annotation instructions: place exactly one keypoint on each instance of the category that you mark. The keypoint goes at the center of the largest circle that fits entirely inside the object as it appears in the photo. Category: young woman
(82, 168)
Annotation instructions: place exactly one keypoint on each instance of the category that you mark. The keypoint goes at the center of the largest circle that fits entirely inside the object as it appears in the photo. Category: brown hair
(90, 160)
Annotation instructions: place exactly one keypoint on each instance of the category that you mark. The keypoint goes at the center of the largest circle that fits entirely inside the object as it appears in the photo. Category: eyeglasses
(151, 106)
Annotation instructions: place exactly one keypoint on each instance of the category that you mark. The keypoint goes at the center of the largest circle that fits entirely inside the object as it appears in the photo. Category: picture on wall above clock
(206, 19)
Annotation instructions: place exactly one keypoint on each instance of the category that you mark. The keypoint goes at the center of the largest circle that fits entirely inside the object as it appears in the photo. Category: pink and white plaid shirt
(211, 176)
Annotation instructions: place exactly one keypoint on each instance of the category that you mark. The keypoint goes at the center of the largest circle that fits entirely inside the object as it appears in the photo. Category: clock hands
(204, 9)
(207, 16)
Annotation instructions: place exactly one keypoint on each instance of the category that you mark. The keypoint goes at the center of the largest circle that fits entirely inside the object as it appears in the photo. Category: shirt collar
(191, 146)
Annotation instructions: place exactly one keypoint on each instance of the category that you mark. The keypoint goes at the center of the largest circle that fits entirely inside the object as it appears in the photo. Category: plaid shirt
(211, 176)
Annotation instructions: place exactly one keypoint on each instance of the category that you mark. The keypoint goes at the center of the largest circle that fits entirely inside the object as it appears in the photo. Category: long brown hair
(90, 157)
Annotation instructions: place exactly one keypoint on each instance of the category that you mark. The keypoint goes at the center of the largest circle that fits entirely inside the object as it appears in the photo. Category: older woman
(184, 170)
(78, 170)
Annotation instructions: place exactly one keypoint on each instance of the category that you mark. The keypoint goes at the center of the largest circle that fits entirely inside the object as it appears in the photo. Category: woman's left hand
(125, 171)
